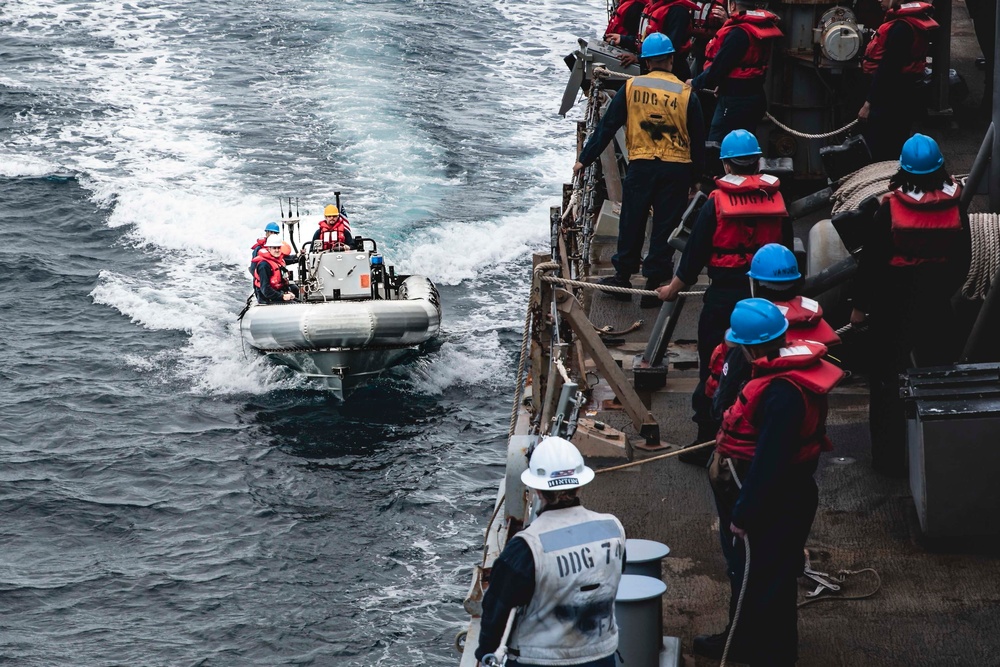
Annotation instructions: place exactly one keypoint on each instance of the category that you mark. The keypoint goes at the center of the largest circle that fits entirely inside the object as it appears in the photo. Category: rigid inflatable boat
(354, 317)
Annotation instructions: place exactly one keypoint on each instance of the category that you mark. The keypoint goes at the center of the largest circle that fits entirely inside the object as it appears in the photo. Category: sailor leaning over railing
(664, 136)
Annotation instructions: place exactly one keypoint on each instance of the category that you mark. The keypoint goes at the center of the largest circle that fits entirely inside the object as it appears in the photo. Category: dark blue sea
(169, 497)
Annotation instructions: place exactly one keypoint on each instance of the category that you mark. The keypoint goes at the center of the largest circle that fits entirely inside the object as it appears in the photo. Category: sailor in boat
(270, 284)
(561, 573)
(664, 134)
(745, 213)
(774, 275)
(736, 61)
(761, 475)
(915, 258)
(270, 229)
(334, 230)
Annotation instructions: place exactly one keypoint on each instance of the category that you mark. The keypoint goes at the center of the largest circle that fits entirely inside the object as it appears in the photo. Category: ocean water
(168, 496)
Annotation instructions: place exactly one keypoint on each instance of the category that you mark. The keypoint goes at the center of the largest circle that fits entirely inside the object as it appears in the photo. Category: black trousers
(890, 124)
(737, 112)
(912, 324)
(767, 629)
(717, 308)
(665, 187)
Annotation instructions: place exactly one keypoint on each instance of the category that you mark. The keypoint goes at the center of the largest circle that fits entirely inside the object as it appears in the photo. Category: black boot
(647, 300)
(617, 280)
(698, 457)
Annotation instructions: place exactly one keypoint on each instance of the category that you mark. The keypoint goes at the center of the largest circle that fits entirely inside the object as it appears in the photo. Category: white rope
(985, 259)
(611, 288)
(871, 180)
(803, 135)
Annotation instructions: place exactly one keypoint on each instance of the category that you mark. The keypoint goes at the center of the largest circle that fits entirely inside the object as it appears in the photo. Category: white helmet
(273, 241)
(556, 464)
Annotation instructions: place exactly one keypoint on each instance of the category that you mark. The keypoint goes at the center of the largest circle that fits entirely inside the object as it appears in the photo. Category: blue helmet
(920, 155)
(739, 143)
(755, 321)
(657, 44)
(272, 227)
(774, 263)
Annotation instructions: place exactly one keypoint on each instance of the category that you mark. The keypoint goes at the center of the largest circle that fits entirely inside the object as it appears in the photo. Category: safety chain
(612, 288)
(804, 135)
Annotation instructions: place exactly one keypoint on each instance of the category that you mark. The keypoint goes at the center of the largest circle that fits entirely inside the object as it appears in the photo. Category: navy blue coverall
(662, 185)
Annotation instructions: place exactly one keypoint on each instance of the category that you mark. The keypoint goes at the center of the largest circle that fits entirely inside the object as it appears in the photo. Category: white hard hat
(556, 464)
(273, 241)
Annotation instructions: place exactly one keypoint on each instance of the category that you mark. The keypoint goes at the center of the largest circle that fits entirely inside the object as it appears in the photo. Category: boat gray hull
(344, 342)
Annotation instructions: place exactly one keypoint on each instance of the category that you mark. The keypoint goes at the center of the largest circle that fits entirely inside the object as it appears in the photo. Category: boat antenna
(289, 207)
(281, 208)
(296, 207)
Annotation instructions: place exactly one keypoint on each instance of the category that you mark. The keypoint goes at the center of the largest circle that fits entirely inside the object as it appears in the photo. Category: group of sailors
(270, 255)
(763, 376)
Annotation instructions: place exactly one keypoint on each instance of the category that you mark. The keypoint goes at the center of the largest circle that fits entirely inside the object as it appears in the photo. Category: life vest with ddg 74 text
(749, 213)
(657, 125)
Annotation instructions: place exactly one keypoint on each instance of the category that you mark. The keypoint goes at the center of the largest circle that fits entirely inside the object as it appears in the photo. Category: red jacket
(917, 14)
(277, 281)
(749, 213)
(761, 26)
(800, 363)
(925, 225)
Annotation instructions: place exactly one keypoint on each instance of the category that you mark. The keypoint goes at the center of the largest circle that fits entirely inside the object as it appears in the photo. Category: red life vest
(925, 225)
(749, 212)
(258, 245)
(616, 26)
(716, 365)
(805, 321)
(917, 14)
(277, 281)
(761, 26)
(704, 24)
(800, 363)
(334, 233)
(654, 20)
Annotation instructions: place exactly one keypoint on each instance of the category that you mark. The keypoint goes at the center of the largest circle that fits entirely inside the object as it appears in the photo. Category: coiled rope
(611, 288)
(871, 180)
(985, 260)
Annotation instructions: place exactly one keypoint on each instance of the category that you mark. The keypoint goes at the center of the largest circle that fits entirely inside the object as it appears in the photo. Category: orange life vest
(616, 26)
(749, 213)
(800, 363)
(277, 281)
(917, 14)
(334, 233)
(761, 26)
(805, 321)
(925, 225)
(654, 20)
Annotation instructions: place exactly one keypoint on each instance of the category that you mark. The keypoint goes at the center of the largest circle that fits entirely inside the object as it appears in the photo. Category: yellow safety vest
(657, 118)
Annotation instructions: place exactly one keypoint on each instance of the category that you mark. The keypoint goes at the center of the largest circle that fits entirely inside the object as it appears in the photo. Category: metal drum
(643, 557)
(639, 614)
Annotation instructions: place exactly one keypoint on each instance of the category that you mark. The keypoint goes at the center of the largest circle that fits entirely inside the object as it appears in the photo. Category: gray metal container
(644, 557)
(639, 614)
(953, 417)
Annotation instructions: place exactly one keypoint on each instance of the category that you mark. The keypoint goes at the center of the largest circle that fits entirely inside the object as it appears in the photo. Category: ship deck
(939, 602)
